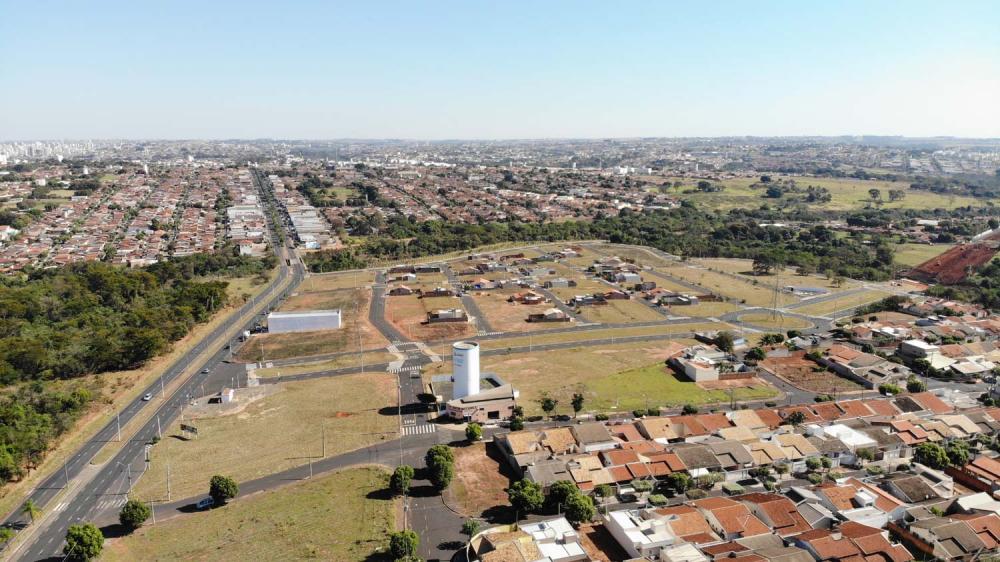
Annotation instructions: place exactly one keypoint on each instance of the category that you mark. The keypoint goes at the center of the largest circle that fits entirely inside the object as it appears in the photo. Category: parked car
(205, 503)
(205, 371)
(147, 397)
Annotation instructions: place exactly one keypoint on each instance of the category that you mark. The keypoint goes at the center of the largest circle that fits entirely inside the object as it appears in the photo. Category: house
(729, 518)
(437, 292)
(593, 436)
(559, 282)
(775, 511)
(554, 540)
(527, 297)
(944, 538)
(550, 315)
(401, 290)
(447, 315)
(641, 533)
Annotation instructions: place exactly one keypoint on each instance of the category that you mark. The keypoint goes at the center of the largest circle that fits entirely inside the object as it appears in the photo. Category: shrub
(473, 431)
(658, 500)
(133, 514)
(696, 494)
(222, 489)
(403, 544)
(400, 480)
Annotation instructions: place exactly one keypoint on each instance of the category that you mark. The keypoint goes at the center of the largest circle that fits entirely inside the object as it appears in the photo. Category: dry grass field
(480, 479)
(705, 309)
(331, 517)
(843, 303)
(916, 254)
(620, 312)
(409, 314)
(760, 294)
(507, 316)
(779, 321)
(274, 433)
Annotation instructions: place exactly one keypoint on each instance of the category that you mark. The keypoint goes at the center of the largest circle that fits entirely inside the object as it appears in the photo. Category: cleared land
(704, 309)
(274, 433)
(352, 360)
(355, 332)
(842, 303)
(916, 254)
(778, 321)
(845, 194)
(329, 281)
(789, 276)
(341, 516)
(481, 480)
(620, 312)
(805, 374)
(603, 333)
(409, 314)
(507, 316)
(761, 294)
(603, 372)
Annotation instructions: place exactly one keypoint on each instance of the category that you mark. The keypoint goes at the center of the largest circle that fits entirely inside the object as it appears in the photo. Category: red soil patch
(956, 264)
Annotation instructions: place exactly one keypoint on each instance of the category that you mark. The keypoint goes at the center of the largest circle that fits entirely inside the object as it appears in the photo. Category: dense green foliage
(400, 480)
(83, 542)
(403, 544)
(685, 231)
(525, 496)
(133, 514)
(222, 489)
(440, 466)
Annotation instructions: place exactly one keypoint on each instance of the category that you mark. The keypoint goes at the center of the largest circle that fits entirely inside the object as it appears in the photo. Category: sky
(477, 69)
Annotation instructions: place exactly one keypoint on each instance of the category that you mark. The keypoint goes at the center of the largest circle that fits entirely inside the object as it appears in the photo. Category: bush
(814, 478)
(222, 489)
(403, 544)
(874, 470)
(470, 527)
(473, 431)
(689, 409)
(638, 413)
(516, 424)
(133, 514)
(696, 494)
(601, 417)
(525, 496)
(642, 485)
(658, 499)
(579, 508)
(441, 466)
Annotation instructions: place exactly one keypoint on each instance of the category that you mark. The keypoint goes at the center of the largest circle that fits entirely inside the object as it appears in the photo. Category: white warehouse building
(311, 321)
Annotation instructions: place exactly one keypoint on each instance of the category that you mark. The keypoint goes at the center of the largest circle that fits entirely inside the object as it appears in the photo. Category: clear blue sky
(503, 69)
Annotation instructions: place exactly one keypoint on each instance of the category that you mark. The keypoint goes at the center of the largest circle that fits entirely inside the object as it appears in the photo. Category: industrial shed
(315, 320)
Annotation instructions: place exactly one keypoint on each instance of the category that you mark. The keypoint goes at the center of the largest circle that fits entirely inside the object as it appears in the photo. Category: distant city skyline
(510, 71)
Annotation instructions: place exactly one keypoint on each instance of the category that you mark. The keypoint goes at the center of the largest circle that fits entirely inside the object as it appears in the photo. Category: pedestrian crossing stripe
(419, 429)
(112, 503)
(61, 506)
(481, 333)
(411, 369)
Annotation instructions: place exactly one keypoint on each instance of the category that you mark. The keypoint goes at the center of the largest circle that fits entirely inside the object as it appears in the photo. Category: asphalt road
(106, 490)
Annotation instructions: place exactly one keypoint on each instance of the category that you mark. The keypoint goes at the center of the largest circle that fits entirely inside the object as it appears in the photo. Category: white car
(147, 397)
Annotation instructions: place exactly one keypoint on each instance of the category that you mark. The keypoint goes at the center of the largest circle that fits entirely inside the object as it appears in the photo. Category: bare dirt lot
(409, 315)
(481, 481)
(507, 316)
(804, 374)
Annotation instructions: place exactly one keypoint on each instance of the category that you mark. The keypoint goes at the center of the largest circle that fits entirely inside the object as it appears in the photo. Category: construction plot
(409, 314)
(734, 287)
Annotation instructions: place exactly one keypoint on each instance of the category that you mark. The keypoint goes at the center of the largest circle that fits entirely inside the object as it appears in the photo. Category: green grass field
(916, 254)
(330, 517)
(842, 303)
(776, 322)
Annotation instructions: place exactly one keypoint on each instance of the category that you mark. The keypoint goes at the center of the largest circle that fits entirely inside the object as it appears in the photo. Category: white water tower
(465, 377)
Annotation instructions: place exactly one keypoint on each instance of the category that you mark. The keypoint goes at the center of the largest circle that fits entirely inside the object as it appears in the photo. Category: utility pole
(159, 434)
(152, 511)
(66, 472)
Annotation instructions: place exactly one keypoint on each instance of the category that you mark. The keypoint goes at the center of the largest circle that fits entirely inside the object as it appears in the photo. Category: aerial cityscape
(680, 283)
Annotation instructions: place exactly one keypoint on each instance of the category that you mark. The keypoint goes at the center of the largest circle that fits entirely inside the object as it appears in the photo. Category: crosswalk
(410, 369)
(485, 333)
(111, 503)
(419, 429)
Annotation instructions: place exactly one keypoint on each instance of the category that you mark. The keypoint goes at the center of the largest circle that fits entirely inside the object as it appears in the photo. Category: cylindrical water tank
(465, 358)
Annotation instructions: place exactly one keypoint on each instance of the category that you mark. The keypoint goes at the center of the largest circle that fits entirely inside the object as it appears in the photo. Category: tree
(222, 489)
(680, 482)
(516, 423)
(525, 496)
(795, 418)
(932, 455)
(442, 471)
(813, 463)
(689, 409)
(579, 508)
(403, 544)
(875, 194)
(889, 389)
(958, 453)
(755, 354)
(6, 533)
(725, 341)
(867, 454)
(32, 510)
(470, 527)
(896, 194)
(604, 491)
(400, 480)
(133, 514)
(913, 384)
(473, 431)
(826, 462)
(83, 542)
(577, 403)
(764, 263)
(771, 339)
(547, 403)
(560, 491)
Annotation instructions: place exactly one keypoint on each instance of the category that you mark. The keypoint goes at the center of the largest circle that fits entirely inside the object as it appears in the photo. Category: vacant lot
(481, 479)
(352, 360)
(842, 303)
(759, 294)
(508, 316)
(603, 372)
(328, 281)
(332, 517)
(845, 194)
(776, 321)
(355, 332)
(916, 254)
(620, 312)
(640, 255)
(409, 314)
(807, 375)
(602, 333)
(704, 309)
(789, 276)
(273, 434)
